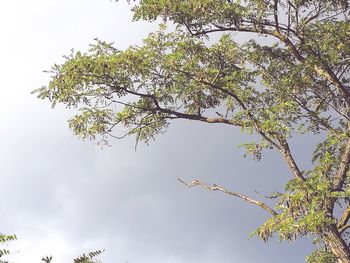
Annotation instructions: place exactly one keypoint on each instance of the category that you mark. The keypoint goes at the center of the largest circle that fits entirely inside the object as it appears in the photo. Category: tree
(291, 79)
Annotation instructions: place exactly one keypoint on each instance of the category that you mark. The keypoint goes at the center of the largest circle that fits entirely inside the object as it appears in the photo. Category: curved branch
(178, 114)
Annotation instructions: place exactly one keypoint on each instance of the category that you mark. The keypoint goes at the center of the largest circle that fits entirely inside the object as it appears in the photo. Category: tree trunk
(336, 243)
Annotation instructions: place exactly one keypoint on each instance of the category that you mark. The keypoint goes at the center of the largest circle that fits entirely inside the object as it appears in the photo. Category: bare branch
(215, 187)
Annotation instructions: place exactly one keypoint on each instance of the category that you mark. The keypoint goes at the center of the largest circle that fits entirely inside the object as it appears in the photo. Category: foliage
(84, 258)
(291, 79)
(3, 240)
(321, 256)
(89, 258)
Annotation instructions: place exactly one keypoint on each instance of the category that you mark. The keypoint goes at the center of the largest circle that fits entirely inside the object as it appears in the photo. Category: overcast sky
(63, 197)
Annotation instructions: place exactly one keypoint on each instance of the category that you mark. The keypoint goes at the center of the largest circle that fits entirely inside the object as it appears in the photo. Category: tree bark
(336, 243)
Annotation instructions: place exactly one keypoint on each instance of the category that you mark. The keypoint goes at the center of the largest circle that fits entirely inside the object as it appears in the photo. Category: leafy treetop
(291, 78)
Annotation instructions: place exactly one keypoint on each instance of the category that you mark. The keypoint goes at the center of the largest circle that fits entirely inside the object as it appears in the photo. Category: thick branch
(178, 114)
(333, 239)
(215, 187)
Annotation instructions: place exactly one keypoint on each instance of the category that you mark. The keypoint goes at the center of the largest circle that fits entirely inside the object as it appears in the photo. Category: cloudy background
(64, 197)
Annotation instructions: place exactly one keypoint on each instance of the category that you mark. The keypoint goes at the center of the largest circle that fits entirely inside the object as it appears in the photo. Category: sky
(63, 197)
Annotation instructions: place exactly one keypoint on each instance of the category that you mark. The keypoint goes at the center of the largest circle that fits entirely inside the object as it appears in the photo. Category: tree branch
(181, 115)
(283, 148)
(275, 14)
(215, 187)
(288, 157)
(343, 169)
(342, 230)
(344, 219)
(330, 76)
(326, 73)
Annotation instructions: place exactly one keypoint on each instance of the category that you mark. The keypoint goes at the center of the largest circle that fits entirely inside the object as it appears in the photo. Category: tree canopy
(292, 78)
